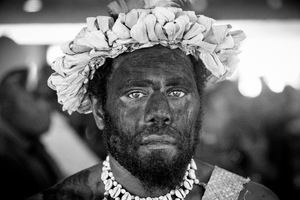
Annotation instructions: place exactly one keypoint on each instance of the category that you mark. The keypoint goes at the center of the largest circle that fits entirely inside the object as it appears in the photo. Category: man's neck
(130, 182)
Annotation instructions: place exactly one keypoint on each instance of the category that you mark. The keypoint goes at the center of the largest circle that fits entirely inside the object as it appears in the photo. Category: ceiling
(76, 11)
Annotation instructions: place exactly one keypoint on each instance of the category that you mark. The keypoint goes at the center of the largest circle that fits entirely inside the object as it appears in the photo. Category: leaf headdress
(141, 24)
(124, 6)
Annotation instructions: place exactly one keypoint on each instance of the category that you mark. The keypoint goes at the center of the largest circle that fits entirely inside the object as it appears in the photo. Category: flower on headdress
(171, 27)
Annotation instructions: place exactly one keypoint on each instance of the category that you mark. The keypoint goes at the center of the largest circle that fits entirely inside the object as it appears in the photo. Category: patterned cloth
(224, 185)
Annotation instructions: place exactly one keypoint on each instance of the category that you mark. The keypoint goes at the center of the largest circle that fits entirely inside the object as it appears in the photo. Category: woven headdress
(141, 24)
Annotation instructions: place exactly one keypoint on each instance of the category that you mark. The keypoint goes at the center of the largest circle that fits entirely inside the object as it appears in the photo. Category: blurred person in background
(256, 137)
(25, 165)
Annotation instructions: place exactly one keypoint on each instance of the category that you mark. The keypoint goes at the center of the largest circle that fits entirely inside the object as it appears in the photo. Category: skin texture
(154, 109)
(151, 88)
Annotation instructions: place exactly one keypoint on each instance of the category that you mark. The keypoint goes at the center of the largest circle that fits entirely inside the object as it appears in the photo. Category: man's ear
(97, 112)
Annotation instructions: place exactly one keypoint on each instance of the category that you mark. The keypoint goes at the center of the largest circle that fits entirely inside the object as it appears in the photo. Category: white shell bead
(186, 174)
(115, 192)
(190, 181)
(148, 198)
(104, 175)
(105, 163)
(178, 194)
(169, 196)
(182, 192)
(193, 164)
(126, 196)
(108, 184)
(187, 185)
(192, 174)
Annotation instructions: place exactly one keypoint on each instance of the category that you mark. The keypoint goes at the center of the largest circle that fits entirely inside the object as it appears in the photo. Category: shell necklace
(117, 192)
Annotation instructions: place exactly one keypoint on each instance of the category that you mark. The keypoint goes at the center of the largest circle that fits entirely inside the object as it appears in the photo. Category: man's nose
(158, 110)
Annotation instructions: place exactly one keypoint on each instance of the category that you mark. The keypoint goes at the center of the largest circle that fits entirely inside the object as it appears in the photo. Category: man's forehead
(153, 67)
(151, 56)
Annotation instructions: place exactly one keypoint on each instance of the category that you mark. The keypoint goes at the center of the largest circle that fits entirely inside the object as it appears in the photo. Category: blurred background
(252, 121)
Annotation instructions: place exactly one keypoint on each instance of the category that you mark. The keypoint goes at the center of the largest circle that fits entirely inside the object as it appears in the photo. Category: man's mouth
(158, 141)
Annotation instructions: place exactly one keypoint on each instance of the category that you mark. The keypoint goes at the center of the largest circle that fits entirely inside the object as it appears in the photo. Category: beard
(155, 170)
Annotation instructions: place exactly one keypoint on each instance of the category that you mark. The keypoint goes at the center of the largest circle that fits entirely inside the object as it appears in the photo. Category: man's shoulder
(85, 184)
(256, 191)
(251, 190)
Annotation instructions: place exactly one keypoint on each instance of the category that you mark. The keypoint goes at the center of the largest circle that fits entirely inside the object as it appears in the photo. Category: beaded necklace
(117, 192)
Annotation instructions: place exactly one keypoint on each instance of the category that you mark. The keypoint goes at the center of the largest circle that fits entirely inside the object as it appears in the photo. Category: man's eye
(136, 95)
(177, 93)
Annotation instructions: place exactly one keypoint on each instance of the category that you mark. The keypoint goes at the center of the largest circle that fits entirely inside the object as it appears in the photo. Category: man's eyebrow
(136, 83)
(178, 81)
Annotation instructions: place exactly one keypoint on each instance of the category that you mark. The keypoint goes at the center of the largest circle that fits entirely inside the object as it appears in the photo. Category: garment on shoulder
(224, 185)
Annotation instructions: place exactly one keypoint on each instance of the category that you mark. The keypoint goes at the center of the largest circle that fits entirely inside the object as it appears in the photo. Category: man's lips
(158, 140)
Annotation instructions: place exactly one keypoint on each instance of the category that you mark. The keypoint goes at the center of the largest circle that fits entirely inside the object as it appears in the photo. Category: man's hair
(98, 85)
(21, 72)
(200, 75)
(20, 77)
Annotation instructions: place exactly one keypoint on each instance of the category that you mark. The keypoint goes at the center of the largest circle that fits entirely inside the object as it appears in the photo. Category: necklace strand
(117, 192)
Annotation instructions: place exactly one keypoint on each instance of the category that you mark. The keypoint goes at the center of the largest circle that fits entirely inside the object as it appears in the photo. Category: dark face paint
(153, 113)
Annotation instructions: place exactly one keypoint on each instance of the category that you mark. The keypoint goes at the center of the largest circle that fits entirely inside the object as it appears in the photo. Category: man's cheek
(129, 119)
(184, 110)
(185, 120)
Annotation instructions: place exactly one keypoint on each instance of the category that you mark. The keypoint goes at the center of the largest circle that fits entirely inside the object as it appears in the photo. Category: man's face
(153, 109)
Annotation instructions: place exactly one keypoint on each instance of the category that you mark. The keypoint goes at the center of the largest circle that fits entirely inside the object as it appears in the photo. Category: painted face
(153, 105)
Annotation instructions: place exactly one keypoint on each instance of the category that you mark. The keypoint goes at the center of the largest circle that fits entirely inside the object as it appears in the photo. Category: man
(142, 76)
